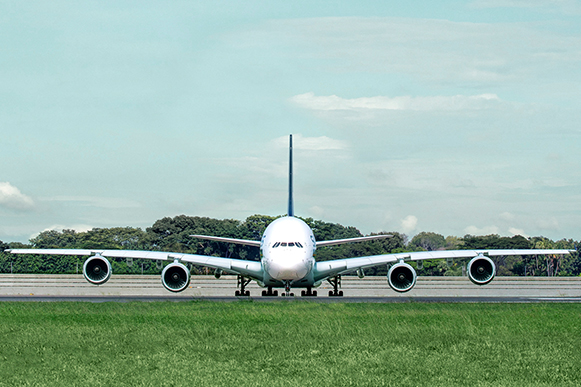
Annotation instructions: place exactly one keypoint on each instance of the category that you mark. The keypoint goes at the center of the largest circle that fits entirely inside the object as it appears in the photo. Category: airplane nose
(287, 268)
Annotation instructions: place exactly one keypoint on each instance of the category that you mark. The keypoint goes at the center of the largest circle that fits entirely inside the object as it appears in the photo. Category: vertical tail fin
(291, 210)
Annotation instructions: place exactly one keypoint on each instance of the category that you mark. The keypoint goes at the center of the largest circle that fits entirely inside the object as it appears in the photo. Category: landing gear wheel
(336, 282)
(269, 292)
(287, 288)
(242, 282)
(309, 293)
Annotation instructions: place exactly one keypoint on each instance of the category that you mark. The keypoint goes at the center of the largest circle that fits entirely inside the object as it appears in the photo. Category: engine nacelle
(401, 277)
(481, 270)
(97, 270)
(175, 277)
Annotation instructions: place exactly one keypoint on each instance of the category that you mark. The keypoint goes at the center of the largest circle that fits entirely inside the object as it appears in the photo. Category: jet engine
(481, 270)
(175, 277)
(97, 269)
(401, 277)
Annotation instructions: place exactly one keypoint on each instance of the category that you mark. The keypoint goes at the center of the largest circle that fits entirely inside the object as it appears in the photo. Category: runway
(148, 288)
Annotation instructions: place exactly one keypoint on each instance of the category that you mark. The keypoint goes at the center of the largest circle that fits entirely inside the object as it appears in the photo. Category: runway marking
(556, 298)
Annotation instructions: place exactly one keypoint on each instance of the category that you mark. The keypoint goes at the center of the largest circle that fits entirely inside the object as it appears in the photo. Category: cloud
(311, 143)
(457, 102)
(11, 197)
(60, 228)
(517, 231)
(409, 223)
(76, 227)
(486, 230)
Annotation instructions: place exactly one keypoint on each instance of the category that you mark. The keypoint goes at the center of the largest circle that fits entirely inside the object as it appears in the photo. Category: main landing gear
(309, 293)
(242, 282)
(336, 283)
(270, 292)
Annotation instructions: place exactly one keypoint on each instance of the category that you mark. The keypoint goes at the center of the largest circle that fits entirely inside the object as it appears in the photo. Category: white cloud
(11, 197)
(409, 223)
(60, 228)
(486, 230)
(76, 227)
(457, 102)
(311, 143)
(517, 231)
(317, 211)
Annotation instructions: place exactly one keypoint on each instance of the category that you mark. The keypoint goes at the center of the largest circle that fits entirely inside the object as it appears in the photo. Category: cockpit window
(287, 244)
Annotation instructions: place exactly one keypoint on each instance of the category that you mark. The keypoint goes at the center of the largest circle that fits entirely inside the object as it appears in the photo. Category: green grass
(289, 344)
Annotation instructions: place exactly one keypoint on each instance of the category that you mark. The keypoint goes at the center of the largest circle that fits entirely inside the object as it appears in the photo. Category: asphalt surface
(127, 288)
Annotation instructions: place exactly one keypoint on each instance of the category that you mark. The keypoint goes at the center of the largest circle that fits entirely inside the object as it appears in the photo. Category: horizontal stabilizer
(350, 240)
(228, 240)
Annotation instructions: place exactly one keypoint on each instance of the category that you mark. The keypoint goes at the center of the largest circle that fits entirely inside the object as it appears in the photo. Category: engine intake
(401, 277)
(97, 270)
(175, 277)
(481, 270)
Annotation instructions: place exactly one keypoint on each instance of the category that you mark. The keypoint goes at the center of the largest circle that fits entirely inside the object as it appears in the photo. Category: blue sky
(457, 117)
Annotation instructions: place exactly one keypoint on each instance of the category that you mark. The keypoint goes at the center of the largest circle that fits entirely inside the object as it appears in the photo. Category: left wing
(324, 269)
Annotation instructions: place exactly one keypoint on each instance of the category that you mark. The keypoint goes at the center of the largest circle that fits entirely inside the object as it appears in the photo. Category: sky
(455, 117)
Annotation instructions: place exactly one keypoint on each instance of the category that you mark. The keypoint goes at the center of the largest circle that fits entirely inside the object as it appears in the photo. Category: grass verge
(289, 344)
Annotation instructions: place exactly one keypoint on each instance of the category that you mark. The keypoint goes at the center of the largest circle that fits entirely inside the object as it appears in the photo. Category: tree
(429, 241)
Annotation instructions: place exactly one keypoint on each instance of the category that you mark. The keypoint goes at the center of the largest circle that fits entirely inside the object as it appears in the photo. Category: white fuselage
(287, 247)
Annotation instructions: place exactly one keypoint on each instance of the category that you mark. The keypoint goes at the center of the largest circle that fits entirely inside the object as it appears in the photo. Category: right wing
(252, 269)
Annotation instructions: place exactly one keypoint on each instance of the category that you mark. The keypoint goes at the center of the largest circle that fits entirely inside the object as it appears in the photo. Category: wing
(349, 240)
(229, 240)
(324, 269)
(252, 269)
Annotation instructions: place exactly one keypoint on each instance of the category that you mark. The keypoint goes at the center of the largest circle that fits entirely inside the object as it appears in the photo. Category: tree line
(173, 234)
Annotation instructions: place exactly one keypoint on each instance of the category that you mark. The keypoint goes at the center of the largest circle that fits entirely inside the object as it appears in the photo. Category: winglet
(291, 210)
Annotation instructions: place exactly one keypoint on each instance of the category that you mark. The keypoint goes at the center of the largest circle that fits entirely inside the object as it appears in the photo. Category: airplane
(287, 250)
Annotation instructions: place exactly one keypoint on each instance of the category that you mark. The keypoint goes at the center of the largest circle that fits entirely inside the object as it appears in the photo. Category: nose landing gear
(287, 288)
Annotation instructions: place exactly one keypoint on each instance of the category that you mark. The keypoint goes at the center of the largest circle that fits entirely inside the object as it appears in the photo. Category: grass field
(289, 344)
